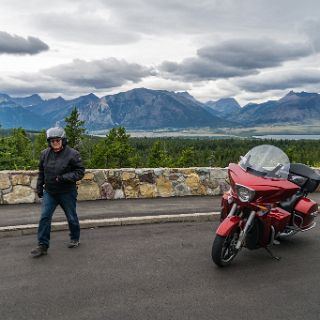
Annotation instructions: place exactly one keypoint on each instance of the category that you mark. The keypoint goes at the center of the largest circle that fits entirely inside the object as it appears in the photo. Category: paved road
(20, 214)
(157, 272)
(11, 215)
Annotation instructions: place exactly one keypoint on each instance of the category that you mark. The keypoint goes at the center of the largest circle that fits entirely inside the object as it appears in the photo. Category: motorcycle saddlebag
(304, 213)
(279, 218)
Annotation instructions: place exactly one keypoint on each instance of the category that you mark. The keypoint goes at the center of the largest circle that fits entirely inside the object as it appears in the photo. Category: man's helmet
(56, 133)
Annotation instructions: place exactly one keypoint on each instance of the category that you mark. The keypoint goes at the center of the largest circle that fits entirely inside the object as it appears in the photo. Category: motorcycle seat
(290, 203)
(301, 169)
(313, 178)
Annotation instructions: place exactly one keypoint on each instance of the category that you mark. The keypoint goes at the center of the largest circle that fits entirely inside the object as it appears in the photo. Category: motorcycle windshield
(266, 161)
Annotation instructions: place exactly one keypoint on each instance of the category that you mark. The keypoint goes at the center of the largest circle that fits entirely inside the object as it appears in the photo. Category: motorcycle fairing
(227, 225)
(267, 189)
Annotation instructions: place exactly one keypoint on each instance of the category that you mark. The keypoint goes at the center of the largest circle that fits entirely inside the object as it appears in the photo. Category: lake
(289, 136)
(205, 134)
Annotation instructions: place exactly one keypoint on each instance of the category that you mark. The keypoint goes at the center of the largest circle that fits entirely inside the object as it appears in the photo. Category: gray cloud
(106, 73)
(168, 16)
(270, 29)
(234, 58)
(13, 44)
(77, 76)
(198, 69)
(90, 28)
(126, 21)
(280, 80)
(23, 86)
(311, 28)
(254, 53)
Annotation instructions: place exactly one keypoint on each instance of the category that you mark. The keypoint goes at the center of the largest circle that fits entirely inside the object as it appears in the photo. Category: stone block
(164, 187)
(6, 191)
(88, 191)
(99, 177)
(202, 171)
(20, 179)
(131, 191)
(158, 171)
(181, 190)
(187, 171)
(4, 181)
(19, 194)
(147, 190)
(218, 173)
(115, 181)
(224, 186)
(33, 183)
(216, 191)
(193, 181)
(175, 176)
(112, 173)
(88, 176)
(147, 177)
(107, 191)
(128, 175)
(118, 194)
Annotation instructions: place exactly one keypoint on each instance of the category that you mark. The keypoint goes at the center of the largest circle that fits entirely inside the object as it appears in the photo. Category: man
(59, 168)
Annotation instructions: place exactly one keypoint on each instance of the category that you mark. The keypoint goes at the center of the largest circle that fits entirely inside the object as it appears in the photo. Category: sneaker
(73, 243)
(40, 250)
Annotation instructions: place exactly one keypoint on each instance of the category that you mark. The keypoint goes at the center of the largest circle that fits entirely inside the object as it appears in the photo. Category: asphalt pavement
(117, 212)
(158, 271)
(22, 214)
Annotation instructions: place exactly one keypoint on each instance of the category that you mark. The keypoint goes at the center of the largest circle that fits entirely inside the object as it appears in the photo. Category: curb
(27, 229)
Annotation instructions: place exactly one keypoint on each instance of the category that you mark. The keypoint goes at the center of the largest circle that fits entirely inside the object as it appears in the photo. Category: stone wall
(20, 186)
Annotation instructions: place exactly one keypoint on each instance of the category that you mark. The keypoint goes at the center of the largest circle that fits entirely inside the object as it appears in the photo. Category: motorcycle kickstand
(272, 255)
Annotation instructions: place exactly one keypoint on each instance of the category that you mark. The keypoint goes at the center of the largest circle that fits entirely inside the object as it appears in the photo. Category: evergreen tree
(40, 143)
(159, 157)
(87, 149)
(186, 158)
(114, 151)
(74, 129)
(16, 151)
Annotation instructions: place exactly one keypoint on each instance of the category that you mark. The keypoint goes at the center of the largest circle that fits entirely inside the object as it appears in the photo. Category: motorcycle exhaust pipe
(288, 234)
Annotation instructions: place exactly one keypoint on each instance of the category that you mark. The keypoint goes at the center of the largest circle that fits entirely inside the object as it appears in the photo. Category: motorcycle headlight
(245, 194)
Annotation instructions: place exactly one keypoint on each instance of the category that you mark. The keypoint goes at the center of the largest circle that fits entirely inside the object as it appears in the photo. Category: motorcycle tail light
(245, 194)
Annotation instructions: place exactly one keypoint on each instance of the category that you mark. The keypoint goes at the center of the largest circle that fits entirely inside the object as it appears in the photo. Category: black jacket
(59, 171)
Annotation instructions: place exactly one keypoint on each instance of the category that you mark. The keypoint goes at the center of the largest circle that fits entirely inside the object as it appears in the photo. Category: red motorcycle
(267, 202)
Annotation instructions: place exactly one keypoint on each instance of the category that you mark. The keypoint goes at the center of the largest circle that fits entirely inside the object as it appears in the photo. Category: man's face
(56, 144)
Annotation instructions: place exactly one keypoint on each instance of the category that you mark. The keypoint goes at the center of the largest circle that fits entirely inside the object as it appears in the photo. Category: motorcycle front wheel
(224, 248)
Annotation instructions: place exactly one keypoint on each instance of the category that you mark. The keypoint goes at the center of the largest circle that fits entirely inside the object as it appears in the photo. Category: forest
(20, 149)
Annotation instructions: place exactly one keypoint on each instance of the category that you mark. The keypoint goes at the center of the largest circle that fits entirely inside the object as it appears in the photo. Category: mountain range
(147, 109)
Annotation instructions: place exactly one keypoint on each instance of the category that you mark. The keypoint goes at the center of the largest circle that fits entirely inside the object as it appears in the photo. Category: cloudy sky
(253, 50)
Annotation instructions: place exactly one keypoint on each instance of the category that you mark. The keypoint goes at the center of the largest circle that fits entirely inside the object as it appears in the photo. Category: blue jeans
(68, 202)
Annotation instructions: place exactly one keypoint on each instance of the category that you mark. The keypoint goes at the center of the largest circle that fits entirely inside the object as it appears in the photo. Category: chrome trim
(314, 213)
(301, 221)
(273, 232)
(245, 187)
(241, 185)
(243, 232)
(232, 211)
(309, 228)
(290, 233)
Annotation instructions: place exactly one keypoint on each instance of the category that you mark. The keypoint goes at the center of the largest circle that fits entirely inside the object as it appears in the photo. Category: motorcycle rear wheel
(224, 248)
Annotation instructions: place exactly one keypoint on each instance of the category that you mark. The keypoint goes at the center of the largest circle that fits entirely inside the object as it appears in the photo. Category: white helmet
(56, 132)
